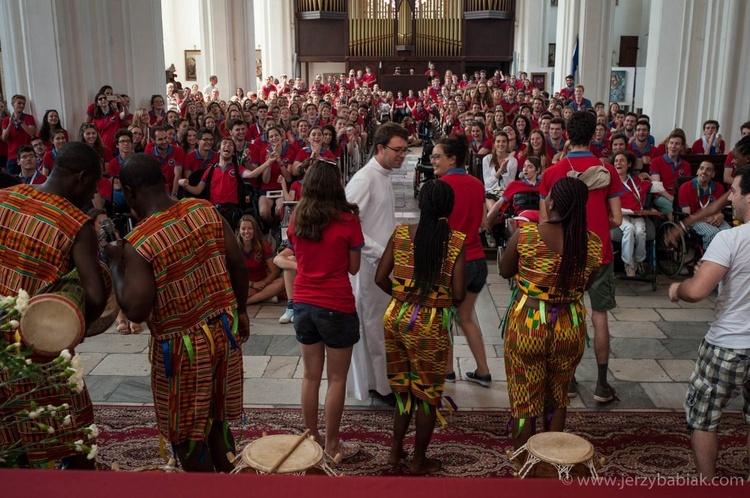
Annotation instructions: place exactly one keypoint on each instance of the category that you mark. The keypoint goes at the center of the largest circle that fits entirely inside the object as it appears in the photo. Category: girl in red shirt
(265, 277)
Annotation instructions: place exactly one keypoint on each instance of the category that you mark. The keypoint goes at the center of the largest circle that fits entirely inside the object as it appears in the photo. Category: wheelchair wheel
(669, 259)
(417, 181)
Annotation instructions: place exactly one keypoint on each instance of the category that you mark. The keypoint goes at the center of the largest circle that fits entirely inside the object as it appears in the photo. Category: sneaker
(573, 388)
(630, 270)
(482, 380)
(450, 378)
(287, 317)
(604, 394)
(491, 242)
(274, 300)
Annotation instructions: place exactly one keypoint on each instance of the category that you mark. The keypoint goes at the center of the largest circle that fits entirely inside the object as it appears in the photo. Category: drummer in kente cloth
(185, 276)
(43, 235)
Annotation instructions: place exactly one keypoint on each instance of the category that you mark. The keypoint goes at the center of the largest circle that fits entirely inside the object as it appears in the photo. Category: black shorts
(476, 275)
(336, 329)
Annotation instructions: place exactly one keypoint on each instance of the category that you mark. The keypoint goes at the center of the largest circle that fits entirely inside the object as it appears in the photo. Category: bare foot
(428, 466)
(397, 454)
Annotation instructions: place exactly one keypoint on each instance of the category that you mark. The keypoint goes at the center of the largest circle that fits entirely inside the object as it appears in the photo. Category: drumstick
(283, 458)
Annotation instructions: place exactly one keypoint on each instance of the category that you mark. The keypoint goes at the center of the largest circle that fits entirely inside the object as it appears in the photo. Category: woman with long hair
(265, 277)
(545, 327)
(428, 262)
(514, 145)
(210, 124)
(499, 169)
(499, 119)
(50, 124)
(108, 117)
(139, 138)
(58, 138)
(157, 114)
(449, 159)
(325, 242)
(537, 147)
(523, 127)
(531, 176)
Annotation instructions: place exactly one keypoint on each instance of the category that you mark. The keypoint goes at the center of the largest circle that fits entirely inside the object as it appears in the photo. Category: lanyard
(634, 190)
(698, 191)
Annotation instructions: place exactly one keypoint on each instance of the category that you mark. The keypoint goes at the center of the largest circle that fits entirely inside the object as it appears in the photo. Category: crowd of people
(374, 299)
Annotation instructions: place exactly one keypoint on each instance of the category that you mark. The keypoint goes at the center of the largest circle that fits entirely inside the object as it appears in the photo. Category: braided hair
(570, 196)
(432, 235)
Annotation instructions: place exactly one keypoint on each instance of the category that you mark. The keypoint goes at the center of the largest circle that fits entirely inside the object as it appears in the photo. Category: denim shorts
(476, 275)
(336, 329)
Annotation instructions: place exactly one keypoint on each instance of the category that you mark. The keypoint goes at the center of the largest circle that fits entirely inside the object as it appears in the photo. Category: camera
(111, 98)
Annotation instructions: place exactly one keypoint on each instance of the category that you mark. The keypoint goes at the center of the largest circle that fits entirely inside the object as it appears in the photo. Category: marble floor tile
(461, 351)
(645, 301)
(687, 315)
(128, 365)
(254, 366)
(631, 396)
(281, 367)
(684, 330)
(635, 315)
(634, 330)
(114, 343)
(257, 345)
(90, 360)
(678, 370)
(283, 345)
(271, 311)
(101, 387)
(638, 348)
(133, 390)
(669, 395)
(682, 349)
(469, 395)
(637, 370)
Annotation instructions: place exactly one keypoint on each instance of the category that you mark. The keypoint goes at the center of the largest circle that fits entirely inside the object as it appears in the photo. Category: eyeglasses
(400, 151)
(127, 141)
(209, 139)
(435, 157)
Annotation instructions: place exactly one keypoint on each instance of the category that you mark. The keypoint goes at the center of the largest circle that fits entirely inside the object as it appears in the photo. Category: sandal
(346, 450)
(122, 327)
(135, 328)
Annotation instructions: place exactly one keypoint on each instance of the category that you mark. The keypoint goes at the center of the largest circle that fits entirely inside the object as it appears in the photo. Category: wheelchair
(651, 251)
(423, 170)
(524, 204)
(672, 259)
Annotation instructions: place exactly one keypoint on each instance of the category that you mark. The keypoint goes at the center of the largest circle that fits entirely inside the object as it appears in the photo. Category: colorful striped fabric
(186, 249)
(37, 232)
(196, 366)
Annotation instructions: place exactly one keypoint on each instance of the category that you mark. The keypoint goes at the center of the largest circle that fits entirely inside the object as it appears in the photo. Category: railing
(475, 5)
(321, 5)
(438, 28)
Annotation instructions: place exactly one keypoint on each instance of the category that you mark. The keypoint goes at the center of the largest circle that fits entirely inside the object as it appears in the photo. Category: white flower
(35, 413)
(65, 354)
(93, 431)
(22, 303)
(7, 301)
(65, 406)
(51, 408)
(13, 324)
(78, 445)
(67, 421)
(92, 452)
(50, 430)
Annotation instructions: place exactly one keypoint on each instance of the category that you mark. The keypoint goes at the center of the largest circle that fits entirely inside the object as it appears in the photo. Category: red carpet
(635, 444)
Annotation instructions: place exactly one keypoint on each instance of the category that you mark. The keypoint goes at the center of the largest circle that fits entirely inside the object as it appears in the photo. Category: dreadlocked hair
(570, 196)
(323, 202)
(432, 235)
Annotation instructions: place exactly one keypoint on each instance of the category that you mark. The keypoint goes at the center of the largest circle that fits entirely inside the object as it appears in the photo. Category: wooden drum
(557, 454)
(111, 310)
(282, 454)
(54, 319)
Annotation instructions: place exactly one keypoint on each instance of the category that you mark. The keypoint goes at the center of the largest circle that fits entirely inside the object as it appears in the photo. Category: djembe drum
(282, 454)
(557, 453)
(54, 319)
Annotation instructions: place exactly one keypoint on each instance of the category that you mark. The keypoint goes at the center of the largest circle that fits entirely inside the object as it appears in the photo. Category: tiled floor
(653, 342)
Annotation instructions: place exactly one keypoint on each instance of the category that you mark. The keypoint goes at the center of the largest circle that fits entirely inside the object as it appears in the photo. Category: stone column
(591, 23)
(695, 69)
(59, 56)
(530, 34)
(276, 39)
(228, 41)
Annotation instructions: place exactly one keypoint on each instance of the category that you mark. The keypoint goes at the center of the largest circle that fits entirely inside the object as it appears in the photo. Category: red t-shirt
(48, 161)
(258, 268)
(286, 160)
(669, 171)
(18, 137)
(600, 149)
(597, 208)
(635, 193)
(35, 179)
(174, 157)
(323, 266)
(692, 196)
(194, 162)
(648, 151)
(223, 188)
(306, 152)
(518, 187)
(716, 148)
(468, 209)
(108, 125)
(476, 147)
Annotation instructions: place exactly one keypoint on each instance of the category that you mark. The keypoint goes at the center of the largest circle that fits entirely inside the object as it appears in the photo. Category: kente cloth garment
(544, 346)
(417, 337)
(37, 233)
(196, 368)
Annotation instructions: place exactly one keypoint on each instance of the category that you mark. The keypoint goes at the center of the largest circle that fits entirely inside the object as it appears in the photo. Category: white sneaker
(490, 240)
(287, 317)
(630, 270)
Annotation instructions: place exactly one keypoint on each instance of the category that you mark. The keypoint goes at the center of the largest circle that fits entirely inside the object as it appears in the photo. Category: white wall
(628, 19)
(181, 21)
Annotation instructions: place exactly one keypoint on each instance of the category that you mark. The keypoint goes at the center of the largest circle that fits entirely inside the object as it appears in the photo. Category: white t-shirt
(731, 249)
(488, 172)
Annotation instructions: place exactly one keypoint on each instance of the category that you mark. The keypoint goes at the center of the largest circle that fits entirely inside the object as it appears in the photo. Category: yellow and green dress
(417, 337)
(544, 342)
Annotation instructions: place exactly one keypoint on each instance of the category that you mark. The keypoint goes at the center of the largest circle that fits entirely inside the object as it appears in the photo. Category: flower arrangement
(18, 407)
